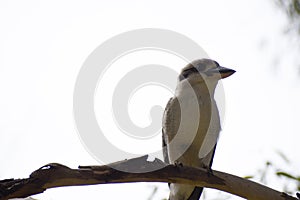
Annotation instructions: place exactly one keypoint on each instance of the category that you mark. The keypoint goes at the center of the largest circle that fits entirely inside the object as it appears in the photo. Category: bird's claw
(209, 171)
(178, 164)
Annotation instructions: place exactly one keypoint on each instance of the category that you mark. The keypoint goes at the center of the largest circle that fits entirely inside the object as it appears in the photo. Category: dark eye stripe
(186, 73)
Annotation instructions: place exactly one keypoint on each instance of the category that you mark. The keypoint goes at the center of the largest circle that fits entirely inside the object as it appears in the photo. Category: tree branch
(57, 175)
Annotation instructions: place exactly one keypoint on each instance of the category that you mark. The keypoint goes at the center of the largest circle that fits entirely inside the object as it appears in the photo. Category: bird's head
(204, 70)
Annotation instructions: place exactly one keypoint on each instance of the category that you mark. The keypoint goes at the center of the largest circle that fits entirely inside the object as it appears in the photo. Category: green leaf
(248, 177)
(286, 175)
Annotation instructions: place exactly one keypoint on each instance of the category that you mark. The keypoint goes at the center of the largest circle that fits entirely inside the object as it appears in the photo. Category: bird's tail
(196, 193)
(182, 193)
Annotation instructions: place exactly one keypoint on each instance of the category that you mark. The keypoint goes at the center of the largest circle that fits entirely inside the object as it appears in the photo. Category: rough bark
(56, 175)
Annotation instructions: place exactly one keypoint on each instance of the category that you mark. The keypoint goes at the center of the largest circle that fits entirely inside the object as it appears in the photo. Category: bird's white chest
(199, 127)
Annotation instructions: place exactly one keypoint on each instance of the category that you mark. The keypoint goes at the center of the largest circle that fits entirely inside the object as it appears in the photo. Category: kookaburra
(191, 122)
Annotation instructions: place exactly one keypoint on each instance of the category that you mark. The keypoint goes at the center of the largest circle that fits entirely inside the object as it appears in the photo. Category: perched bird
(191, 122)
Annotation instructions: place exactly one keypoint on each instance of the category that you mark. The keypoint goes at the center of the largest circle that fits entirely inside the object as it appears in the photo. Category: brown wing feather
(170, 125)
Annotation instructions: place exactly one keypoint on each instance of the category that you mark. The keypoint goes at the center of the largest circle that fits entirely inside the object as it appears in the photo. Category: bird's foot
(178, 164)
(209, 171)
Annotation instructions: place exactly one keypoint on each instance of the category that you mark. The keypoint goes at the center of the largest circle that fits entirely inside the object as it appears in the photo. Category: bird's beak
(225, 72)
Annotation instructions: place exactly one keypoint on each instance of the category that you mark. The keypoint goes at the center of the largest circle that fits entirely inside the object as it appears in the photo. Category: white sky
(44, 43)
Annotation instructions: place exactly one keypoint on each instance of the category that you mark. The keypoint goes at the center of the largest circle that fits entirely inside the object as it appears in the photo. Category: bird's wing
(170, 125)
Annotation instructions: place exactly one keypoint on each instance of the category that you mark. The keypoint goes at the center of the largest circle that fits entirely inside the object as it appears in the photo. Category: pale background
(44, 43)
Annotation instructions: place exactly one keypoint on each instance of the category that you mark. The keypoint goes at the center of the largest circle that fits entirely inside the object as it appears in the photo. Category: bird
(191, 122)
